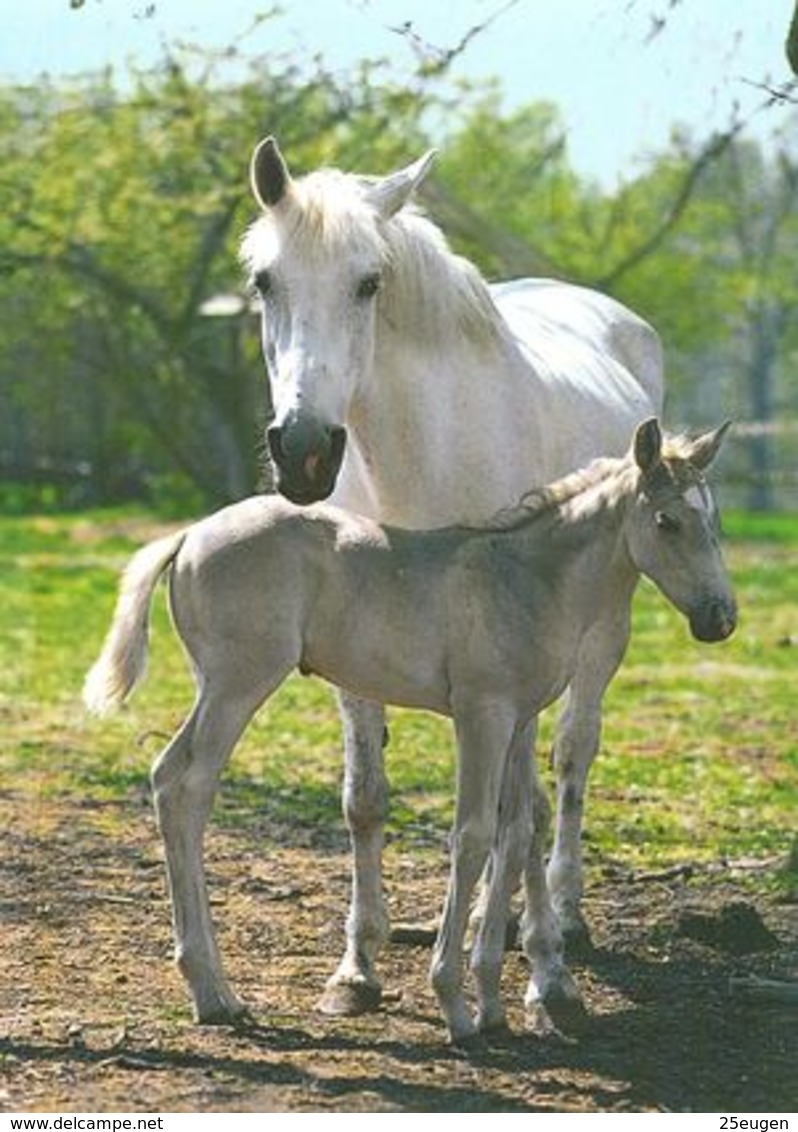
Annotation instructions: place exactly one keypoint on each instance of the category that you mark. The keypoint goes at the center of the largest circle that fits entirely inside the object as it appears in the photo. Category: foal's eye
(368, 286)
(666, 522)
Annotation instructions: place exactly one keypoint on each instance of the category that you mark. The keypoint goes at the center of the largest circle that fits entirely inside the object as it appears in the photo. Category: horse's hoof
(577, 943)
(350, 999)
(566, 1011)
(491, 1016)
(495, 1031)
(557, 1011)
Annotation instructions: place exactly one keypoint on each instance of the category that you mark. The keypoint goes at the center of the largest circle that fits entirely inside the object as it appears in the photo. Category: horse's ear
(268, 173)
(388, 194)
(704, 448)
(647, 445)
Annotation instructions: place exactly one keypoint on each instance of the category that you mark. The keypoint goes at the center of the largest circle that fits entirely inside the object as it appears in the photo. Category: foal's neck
(582, 514)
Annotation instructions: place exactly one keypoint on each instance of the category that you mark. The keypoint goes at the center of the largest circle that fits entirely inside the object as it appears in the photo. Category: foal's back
(415, 618)
(265, 583)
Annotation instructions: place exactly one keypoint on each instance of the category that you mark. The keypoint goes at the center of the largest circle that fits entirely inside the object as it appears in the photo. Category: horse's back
(586, 339)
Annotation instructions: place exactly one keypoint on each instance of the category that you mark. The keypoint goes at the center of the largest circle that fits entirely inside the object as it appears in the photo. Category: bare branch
(516, 256)
(777, 95)
(710, 153)
(434, 60)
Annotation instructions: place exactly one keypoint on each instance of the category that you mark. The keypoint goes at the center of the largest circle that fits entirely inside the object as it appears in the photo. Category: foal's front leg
(355, 988)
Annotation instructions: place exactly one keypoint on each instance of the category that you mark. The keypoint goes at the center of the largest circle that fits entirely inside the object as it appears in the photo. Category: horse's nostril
(337, 444)
(274, 438)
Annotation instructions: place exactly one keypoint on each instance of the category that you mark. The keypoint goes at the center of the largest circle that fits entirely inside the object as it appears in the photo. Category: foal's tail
(123, 659)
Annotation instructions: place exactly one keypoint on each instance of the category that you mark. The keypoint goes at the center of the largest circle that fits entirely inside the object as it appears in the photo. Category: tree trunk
(761, 383)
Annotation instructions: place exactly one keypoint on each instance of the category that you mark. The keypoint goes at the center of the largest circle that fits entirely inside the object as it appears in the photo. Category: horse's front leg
(355, 988)
(576, 745)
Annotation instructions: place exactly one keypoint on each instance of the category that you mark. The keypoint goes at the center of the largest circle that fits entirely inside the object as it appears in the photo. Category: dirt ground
(95, 1018)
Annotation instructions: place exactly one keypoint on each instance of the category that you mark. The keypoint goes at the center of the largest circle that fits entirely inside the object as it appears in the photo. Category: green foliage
(121, 210)
(122, 203)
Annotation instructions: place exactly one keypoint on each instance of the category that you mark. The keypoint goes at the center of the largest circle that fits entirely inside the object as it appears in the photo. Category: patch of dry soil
(93, 1016)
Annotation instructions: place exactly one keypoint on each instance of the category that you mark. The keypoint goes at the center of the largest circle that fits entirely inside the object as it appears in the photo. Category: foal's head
(673, 528)
(317, 257)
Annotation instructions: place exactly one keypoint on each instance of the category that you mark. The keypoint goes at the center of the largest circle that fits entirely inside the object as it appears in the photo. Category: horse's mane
(444, 291)
(427, 286)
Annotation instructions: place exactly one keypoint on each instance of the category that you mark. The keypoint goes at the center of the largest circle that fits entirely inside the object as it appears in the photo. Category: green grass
(700, 749)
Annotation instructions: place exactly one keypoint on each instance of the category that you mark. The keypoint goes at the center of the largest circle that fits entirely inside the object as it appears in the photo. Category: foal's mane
(427, 286)
(674, 470)
(546, 500)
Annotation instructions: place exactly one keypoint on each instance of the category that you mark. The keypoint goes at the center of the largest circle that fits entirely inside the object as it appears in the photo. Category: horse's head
(673, 529)
(317, 258)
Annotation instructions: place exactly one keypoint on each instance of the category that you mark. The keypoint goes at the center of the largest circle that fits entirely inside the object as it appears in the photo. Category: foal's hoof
(224, 1015)
(465, 1036)
(350, 999)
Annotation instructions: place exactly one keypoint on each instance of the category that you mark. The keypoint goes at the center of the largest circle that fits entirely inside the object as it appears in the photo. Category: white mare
(409, 391)
(484, 625)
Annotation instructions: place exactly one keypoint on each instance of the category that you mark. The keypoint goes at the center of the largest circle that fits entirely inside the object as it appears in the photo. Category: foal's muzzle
(307, 458)
(714, 619)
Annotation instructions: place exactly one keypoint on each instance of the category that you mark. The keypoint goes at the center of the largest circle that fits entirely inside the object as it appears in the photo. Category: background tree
(120, 216)
(121, 209)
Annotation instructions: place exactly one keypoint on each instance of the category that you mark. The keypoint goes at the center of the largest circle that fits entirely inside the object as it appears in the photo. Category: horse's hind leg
(355, 988)
(184, 781)
(575, 747)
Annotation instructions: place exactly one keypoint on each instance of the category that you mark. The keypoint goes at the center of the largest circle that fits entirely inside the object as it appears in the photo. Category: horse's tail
(123, 660)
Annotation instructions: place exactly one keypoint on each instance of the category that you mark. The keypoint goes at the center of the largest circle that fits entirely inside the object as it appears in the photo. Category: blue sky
(619, 89)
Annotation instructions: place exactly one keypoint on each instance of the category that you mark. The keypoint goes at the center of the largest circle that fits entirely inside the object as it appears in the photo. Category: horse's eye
(263, 283)
(667, 522)
(368, 286)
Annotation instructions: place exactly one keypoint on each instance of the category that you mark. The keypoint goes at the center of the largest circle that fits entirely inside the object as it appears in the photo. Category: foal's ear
(704, 448)
(388, 194)
(647, 445)
(268, 173)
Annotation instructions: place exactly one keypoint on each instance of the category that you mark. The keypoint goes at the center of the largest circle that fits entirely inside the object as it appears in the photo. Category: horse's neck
(423, 431)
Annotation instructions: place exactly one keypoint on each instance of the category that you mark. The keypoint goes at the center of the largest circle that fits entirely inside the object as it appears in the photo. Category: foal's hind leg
(551, 986)
(184, 781)
(355, 988)
(484, 734)
(576, 745)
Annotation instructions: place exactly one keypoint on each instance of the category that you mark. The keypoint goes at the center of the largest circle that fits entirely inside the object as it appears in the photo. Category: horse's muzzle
(307, 458)
(713, 620)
